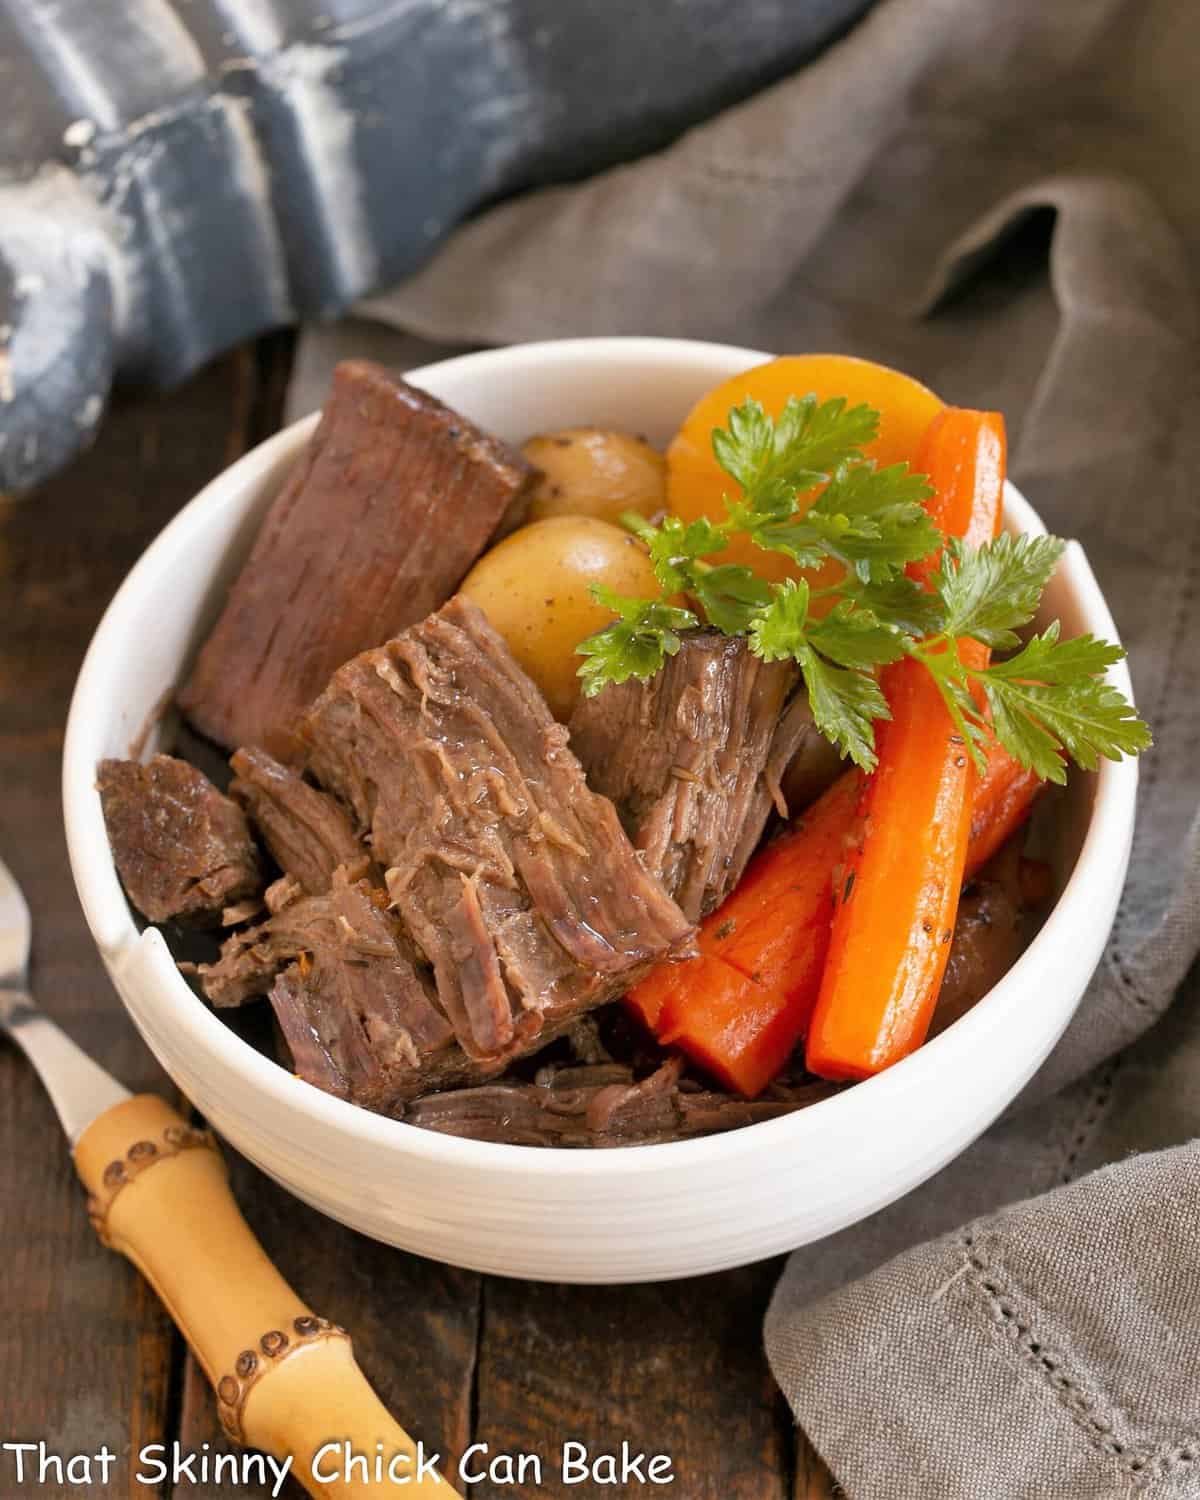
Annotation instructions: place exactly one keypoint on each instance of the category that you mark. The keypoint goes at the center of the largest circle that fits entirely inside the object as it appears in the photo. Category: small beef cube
(182, 849)
(391, 503)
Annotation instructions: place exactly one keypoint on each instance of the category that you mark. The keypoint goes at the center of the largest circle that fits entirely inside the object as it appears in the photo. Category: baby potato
(589, 472)
(534, 587)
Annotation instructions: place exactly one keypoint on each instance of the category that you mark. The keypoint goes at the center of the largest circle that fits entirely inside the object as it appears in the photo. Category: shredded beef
(393, 500)
(251, 958)
(357, 1009)
(601, 1105)
(308, 833)
(513, 878)
(182, 849)
(694, 759)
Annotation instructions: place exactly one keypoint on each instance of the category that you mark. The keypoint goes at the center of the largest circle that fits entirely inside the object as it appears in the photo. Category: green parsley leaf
(946, 669)
(1046, 702)
(1050, 698)
(855, 637)
(845, 704)
(900, 602)
(845, 701)
(780, 631)
(746, 447)
(731, 596)
(990, 591)
(675, 546)
(871, 520)
(820, 434)
(775, 461)
(636, 644)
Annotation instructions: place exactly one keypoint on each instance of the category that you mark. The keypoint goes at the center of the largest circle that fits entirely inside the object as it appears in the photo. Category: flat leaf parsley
(808, 491)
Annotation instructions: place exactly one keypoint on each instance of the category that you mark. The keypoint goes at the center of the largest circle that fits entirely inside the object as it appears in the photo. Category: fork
(286, 1380)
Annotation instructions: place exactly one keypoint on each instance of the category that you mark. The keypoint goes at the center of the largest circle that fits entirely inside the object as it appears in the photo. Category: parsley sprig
(809, 492)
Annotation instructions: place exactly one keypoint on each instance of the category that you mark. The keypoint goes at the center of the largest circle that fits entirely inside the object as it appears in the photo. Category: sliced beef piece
(182, 849)
(601, 1105)
(308, 833)
(514, 879)
(694, 758)
(393, 500)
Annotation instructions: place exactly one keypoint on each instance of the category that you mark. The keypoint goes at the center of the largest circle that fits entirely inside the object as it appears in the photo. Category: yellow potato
(534, 588)
(589, 472)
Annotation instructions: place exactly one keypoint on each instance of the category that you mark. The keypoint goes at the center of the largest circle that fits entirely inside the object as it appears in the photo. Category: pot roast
(461, 887)
(694, 760)
(602, 1104)
(308, 833)
(394, 499)
(183, 851)
(514, 879)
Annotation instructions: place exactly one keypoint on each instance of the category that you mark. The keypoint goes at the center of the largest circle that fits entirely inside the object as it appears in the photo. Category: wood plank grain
(85, 1349)
(811, 1480)
(674, 1369)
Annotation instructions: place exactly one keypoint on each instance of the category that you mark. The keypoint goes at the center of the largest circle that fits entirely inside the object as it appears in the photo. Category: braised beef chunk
(308, 833)
(600, 1105)
(514, 879)
(182, 849)
(989, 934)
(251, 957)
(693, 759)
(393, 500)
(357, 1008)
(802, 763)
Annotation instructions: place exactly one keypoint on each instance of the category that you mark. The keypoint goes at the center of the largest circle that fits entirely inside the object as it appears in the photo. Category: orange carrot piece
(1004, 798)
(966, 451)
(746, 1028)
(894, 916)
(964, 454)
(793, 870)
(739, 1010)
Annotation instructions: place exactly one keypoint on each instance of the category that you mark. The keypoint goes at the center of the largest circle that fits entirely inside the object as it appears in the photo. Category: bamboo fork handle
(286, 1380)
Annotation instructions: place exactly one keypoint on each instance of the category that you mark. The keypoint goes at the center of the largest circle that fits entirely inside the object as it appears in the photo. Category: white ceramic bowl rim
(112, 923)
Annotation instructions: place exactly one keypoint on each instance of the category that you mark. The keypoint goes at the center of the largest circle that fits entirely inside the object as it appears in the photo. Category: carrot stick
(963, 453)
(895, 912)
(1004, 798)
(738, 1030)
(969, 490)
(739, 1010)
(740, 1015)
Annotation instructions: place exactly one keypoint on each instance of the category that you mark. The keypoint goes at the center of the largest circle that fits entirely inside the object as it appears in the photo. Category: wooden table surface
(87, 1356)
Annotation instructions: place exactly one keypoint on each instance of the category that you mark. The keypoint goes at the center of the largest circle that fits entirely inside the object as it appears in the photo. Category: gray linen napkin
(1004, 200)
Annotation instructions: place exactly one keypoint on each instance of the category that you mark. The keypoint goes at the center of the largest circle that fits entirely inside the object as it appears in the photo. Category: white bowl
(636, 1214)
